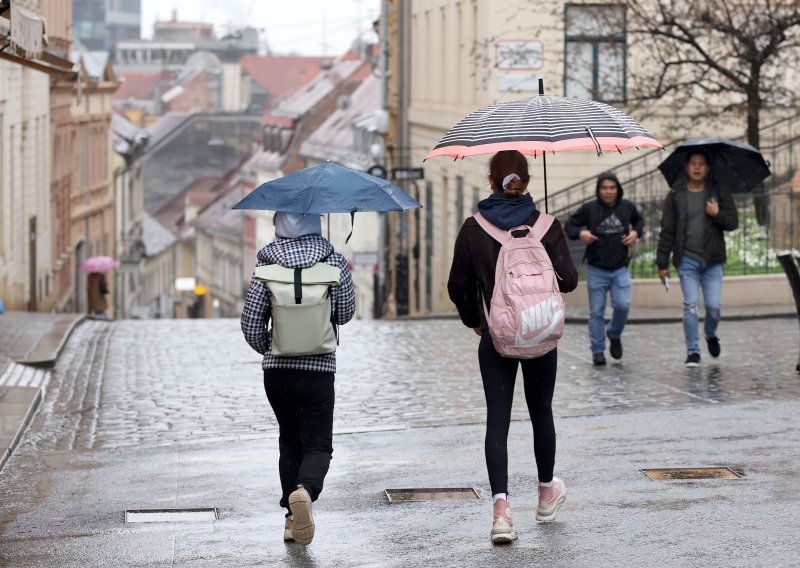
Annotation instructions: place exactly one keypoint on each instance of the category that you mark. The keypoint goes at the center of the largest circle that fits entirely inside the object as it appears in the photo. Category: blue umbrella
(328, 188)
(738, 166)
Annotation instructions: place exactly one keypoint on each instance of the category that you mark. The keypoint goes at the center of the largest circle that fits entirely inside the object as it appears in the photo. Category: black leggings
(499, 375)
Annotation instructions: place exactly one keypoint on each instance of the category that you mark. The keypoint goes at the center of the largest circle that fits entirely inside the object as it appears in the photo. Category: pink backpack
(526, 315)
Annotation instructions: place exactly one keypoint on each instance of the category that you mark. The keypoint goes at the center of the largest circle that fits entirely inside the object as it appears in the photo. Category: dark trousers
(303, 404)
(499, 375)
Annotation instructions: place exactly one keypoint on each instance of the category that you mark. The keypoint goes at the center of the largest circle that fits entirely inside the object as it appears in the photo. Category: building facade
(468, 54)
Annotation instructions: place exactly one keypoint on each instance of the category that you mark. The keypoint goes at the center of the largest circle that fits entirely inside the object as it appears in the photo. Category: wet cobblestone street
(152, 414)
(167, 382)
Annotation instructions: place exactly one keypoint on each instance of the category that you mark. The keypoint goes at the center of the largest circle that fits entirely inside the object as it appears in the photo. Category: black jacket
(673, 224)
(608, 222)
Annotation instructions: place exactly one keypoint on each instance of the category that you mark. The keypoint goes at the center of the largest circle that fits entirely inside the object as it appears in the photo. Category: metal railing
(752, 248)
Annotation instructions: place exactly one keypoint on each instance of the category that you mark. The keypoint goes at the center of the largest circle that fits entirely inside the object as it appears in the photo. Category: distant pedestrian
(695, 215)
(609, 226)
(471, 288)
(97, 291)
(300, 388)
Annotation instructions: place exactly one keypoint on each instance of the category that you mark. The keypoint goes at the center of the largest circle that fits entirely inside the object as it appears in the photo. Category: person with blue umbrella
(301, 291)
(298, 375)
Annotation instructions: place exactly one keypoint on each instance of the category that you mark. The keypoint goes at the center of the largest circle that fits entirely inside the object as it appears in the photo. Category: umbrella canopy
(328, 188)
(98, 264)
(539, 124)
(738, 166)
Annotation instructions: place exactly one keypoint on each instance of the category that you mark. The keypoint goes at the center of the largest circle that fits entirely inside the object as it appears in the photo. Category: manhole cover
(690, 473)
(431, 494)
(170, 515)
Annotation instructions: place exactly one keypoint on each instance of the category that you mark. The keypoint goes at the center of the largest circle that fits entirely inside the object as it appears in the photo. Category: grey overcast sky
(305, 27)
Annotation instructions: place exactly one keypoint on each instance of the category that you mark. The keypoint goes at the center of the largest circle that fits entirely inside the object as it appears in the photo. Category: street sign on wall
(407, 174)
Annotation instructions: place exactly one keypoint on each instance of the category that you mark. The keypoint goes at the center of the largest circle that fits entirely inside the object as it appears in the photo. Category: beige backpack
(301, 308)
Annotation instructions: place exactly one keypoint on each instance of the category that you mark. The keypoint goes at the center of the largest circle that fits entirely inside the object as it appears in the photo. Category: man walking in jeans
(608, 226)
(696, 212)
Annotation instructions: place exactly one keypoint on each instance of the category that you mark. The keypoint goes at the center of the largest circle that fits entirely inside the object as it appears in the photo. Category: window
(594, 52)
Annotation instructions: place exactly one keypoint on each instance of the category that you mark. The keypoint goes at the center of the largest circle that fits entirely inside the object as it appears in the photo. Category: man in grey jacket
(695, 215)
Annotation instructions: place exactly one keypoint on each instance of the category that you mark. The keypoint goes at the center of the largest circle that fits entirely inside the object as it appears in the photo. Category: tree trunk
(760, 199)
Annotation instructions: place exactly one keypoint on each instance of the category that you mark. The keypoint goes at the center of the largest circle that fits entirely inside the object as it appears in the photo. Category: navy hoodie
(608, 222)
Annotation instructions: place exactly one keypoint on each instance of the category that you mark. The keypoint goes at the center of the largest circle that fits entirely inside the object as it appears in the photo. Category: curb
(33, 406)
(43, 353)
(631, 320)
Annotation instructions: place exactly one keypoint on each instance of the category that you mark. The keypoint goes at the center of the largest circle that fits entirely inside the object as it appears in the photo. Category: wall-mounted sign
(519, 54)
(406, 174)
(377, 170)
(185, 283)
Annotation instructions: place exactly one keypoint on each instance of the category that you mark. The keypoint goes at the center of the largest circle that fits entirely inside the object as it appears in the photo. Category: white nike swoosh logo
(537, 339)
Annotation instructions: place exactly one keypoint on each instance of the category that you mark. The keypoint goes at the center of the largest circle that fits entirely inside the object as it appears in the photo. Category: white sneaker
(503, 526)
(550, 500)
(302, 519)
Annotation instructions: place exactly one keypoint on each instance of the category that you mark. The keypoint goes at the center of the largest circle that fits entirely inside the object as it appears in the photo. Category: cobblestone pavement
(151, 414)
(190, 381)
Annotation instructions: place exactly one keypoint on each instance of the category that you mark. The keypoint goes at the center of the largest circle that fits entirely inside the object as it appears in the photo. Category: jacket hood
(612, 176)
(301, 252)
(506, 212)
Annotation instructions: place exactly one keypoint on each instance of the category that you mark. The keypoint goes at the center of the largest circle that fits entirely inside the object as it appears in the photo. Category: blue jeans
(696, 274)
(600, 282)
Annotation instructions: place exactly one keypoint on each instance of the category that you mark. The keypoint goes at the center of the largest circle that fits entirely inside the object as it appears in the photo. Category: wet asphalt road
(172, 414)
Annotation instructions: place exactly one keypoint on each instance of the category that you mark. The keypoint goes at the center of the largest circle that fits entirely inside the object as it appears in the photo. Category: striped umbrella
(541, 124)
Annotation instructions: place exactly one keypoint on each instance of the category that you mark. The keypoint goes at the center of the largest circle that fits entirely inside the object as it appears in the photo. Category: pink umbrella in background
(98, 264)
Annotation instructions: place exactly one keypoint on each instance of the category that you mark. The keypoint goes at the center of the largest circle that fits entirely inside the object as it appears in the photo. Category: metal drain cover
(170, 515)
(431, 494)
(691, 473)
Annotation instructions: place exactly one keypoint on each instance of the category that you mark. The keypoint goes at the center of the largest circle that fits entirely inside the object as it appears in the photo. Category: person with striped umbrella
(536, 125)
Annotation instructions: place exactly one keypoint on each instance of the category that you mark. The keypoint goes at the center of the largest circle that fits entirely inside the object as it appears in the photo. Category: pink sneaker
(503, 526)
(550, 500)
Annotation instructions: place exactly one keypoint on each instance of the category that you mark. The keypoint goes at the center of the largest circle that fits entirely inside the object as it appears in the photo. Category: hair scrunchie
(508, 179)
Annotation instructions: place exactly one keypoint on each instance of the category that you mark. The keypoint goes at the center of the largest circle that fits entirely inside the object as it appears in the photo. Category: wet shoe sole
(504, 537)
(303, 523)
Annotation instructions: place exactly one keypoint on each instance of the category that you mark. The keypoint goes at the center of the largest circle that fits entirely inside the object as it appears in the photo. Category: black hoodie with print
(609, 223)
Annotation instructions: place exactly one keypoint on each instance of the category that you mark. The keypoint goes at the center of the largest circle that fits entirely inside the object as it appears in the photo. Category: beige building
(92, 197)
(467, 54)
(25, 149)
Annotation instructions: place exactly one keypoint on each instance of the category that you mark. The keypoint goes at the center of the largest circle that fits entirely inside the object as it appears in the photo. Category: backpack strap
(537, 231)
(541, 226)
(496, 233)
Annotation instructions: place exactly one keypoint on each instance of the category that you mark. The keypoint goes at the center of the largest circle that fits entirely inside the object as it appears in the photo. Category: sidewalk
(665, 315)
(29, 341)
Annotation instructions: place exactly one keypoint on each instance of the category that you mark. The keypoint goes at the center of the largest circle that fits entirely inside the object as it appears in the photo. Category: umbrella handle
(596, 143)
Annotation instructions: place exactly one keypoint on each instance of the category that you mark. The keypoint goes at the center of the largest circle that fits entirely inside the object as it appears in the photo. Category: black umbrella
(736, 165)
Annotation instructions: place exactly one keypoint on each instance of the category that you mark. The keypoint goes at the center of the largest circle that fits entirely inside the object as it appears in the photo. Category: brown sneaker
(302, 519)
(287, 530)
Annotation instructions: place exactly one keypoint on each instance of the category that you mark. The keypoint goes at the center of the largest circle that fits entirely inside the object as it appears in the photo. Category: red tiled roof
(139, 86)
(280, 76)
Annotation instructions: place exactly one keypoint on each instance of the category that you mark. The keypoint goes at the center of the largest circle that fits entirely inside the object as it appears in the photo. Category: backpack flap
(301, 308)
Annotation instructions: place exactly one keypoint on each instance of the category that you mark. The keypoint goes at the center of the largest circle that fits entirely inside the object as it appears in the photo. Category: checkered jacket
(301, 252)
